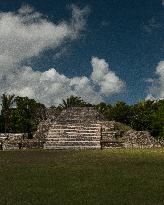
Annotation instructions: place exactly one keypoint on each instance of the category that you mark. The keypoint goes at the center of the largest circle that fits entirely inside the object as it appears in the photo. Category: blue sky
(102, 50)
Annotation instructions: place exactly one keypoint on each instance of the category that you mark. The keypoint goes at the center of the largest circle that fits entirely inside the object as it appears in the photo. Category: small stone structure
(14, 141)
(11, 140)
(80, 128)
(128, 139)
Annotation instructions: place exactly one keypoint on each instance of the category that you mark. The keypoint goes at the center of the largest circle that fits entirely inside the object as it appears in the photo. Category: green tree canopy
(7, 102)
(73, 101)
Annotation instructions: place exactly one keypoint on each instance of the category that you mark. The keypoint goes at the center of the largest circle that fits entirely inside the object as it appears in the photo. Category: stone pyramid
(75, 127)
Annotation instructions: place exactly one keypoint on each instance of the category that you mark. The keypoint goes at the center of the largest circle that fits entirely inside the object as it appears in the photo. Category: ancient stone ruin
(75, 128)
(79, 128)
(86, 128)
(10, 141)
(14, 141)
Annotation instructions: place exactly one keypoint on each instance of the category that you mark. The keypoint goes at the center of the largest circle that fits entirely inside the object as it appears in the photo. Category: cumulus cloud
(107, 80)
(50, 87)
(26, 34)
(156, 89)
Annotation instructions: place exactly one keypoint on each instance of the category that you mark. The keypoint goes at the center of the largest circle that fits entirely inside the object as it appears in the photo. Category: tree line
(21, 114)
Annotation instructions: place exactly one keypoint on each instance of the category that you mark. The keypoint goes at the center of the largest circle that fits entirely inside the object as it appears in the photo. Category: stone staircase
(74, 136)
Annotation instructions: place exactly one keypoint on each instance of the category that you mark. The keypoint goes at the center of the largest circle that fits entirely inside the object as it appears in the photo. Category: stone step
(73, 138)
(73, 143)
(111, 132)
(60, 134)
(90, 123)
(71, 147)
(73, 133)
(75, 129)
(74, 126)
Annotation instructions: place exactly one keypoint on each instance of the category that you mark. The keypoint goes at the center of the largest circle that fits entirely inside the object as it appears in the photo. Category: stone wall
(128, 139)
(15, 141)
(10, 140)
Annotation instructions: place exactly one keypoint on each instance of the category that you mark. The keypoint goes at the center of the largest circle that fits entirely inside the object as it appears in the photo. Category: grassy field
(92, 177)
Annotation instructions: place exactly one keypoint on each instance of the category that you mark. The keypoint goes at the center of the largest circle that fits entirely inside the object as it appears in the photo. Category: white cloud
(150, 97)
(26, 34)
(78, 21)
(162, 2)
(50, 87)
(107, 80)
(156, 89)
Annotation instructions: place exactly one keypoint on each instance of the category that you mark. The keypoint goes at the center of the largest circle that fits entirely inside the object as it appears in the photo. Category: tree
(157, 120)
(105, 109)
(73, 101)
(140, 115)
(7, 102)
(120, 112)
(148, 115)
(27, 115)
(1, 124)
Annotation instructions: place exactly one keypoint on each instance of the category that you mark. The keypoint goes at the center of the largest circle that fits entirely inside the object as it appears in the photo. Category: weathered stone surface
(13, 136)
(52, 114)
(10, 140)
(79, 115)
(13, 141)
(129, 139)
(139, 139)
(42, 131)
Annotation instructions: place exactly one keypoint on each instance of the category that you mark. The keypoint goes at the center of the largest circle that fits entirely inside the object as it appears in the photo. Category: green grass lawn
(97, 177)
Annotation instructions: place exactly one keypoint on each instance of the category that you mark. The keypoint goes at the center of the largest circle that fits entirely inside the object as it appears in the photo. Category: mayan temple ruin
(75, 128)
(86, 128)
(79, 128)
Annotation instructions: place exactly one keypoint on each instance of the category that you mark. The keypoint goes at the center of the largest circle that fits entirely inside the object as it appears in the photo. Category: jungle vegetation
(21, 114)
